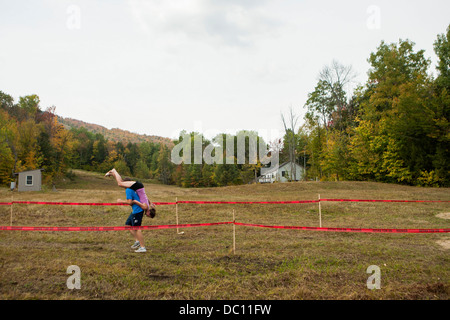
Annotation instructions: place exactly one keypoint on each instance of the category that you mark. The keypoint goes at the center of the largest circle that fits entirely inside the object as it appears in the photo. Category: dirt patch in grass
(444, 215)
(444, 243)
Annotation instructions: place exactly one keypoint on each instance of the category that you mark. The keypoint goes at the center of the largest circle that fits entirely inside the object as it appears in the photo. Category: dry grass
(268, 264)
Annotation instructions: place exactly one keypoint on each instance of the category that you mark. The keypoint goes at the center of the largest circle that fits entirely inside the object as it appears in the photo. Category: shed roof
(16, 173)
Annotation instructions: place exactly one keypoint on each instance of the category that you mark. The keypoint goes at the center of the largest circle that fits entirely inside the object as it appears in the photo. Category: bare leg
(119, 180)
(138, 236)
(133, 233)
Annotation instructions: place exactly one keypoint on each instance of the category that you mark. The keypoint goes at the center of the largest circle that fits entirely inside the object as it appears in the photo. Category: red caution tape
(249, 202)
(348, 229)
(217, 202)
(78, 203)
(305, 201)
(371, 200)
(120, 228)
(70, 203)
(193, 225)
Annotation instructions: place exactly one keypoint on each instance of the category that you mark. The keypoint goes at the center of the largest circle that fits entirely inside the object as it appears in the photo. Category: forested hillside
(114, 134)
(32, 138)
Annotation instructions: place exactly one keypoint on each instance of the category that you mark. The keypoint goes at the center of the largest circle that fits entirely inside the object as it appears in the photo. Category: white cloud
(230, 23)
(226, 63)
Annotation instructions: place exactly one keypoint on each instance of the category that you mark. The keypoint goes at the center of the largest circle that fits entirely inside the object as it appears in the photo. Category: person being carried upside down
(137, 198)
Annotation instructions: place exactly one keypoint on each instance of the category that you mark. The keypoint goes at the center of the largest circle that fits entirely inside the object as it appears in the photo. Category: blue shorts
(135, 219)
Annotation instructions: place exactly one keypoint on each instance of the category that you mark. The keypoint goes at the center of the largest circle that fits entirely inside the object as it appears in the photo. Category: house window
(283, 173)
(29, 181)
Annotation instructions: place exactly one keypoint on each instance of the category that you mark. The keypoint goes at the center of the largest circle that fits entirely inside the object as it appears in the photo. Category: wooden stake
(320, 214)
(234, 235)
(176, 213)
(12, 201)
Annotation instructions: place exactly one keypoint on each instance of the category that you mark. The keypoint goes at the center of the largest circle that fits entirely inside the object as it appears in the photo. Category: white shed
(282, 173)
(30, 180)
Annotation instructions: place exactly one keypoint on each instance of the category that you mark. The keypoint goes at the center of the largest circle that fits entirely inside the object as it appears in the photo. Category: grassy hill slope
(200, 264)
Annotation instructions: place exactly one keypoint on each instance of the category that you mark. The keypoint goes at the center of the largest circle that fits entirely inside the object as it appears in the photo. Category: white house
(282, 173)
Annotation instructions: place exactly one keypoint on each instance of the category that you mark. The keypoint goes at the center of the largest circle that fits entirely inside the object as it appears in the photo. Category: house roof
(16, 173)
(279, 167)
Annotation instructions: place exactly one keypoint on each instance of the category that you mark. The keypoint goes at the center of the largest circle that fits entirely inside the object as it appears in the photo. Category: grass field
(268, 264)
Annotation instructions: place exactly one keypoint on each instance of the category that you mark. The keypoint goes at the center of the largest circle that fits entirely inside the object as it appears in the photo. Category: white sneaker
(135, 245)
(141, 249)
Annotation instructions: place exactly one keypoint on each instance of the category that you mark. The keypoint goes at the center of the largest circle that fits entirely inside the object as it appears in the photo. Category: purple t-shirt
(142, 196)
(139, 188)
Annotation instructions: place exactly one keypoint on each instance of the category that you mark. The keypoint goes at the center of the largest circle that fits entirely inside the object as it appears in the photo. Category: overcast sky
(157, 67)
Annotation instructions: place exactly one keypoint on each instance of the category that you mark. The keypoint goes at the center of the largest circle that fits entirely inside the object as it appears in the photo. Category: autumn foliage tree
(395, 128)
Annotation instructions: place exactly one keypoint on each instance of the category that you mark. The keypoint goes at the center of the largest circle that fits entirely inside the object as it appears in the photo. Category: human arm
(143, 206)
(127, 201)
(129, 198)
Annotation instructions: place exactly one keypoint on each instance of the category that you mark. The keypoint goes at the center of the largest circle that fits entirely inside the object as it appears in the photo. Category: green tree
(208, 175)
(7, 160)
(335, 160)
(195, 176)
(62, 144)
(366, 147)
(121, 166)
(83, 147)
(440, 106)
(442, 50)
(131, 156)
(290, 140)
(141, 170)
(28, 149)
(30, 104)
(315, 144)
(226, 174)
(99, 150)
(6, 101)
(328, 101)
(392, 66)
(165, 166)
